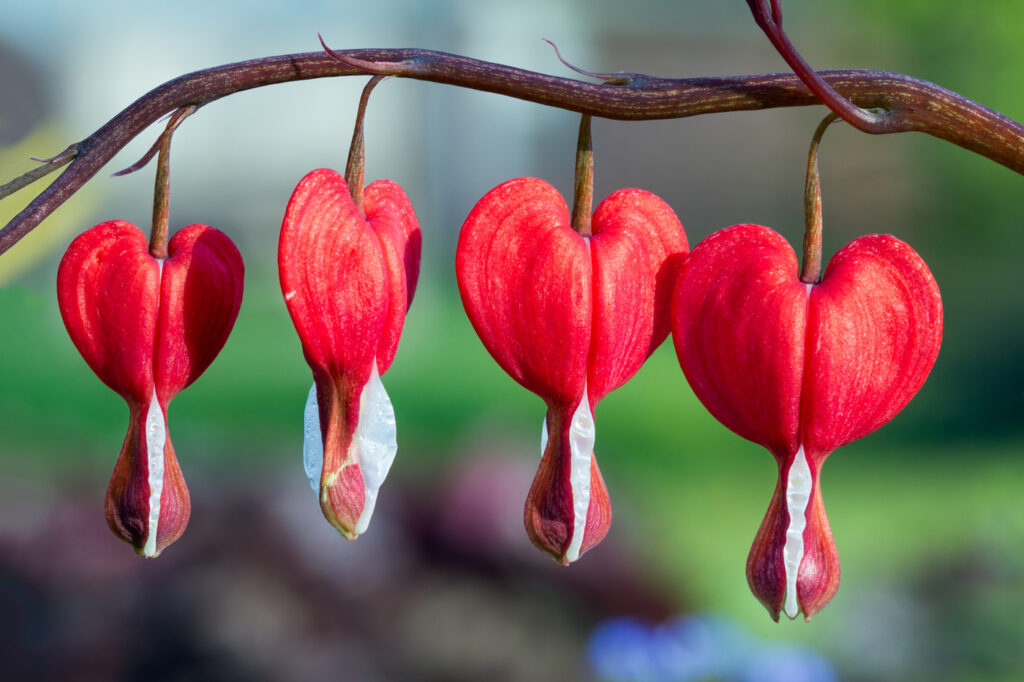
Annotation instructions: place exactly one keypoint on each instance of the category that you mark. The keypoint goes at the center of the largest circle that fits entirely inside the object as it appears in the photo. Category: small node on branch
(59, 159)
(51, 164)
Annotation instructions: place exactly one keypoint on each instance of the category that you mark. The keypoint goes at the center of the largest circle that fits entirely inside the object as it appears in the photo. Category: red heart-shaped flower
(348, 279)
(571, 319)
(803, 369)
(148, 329)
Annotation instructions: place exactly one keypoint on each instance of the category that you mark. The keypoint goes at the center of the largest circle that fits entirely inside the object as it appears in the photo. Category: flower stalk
(583, 183)
(810, 272)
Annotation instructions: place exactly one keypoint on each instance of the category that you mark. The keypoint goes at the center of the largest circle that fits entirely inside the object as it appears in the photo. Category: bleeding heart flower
(148, 328)
(348, 279)
(570, 318)
(803, 369)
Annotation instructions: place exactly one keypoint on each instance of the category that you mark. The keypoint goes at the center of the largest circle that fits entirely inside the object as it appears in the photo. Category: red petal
(739, 324)
(549, 515)
(558, 313)
(390, 214)
(637, 249)
(818, 573)
(200, 295)
(127, 499)
(329, 261)
(874, 331)
(525, 281)
(107, 293)
(348, 281)
(786, 367)
(131, 323)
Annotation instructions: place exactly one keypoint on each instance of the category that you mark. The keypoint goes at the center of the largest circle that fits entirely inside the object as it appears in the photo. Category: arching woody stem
(922, 106)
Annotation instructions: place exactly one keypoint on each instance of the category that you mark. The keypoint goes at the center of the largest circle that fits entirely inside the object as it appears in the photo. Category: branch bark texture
(913, 104)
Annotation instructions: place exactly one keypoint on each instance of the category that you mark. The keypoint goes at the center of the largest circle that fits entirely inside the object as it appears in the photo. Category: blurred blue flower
(698, 648)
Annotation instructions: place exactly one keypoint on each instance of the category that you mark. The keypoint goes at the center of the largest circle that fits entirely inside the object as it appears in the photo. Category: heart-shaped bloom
(803, 369)
(348, 278)
(570, 318)
(148, 328)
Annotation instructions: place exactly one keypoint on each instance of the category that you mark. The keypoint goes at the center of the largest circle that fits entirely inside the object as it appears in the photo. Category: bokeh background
(927, 513)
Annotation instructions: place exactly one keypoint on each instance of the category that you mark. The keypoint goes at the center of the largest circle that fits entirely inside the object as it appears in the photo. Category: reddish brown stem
(162, 189)
(768, 16)
(583, 181)
(919, 105)
(355, 169)
(811, 272)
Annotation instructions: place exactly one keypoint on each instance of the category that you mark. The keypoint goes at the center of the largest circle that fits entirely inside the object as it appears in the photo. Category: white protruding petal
(156, 439)
(798, 492)
(312, 442)
(582, 433)
(376, 443)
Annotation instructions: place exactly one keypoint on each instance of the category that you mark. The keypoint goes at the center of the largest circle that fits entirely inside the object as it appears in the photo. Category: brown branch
(920, 105)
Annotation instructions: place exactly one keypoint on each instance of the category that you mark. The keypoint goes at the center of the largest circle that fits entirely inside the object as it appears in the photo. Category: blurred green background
(927, 513)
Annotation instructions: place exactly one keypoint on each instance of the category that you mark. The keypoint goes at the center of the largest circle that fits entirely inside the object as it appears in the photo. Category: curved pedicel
(348, 278)
(802, 369)
(570, 318)
(148, 328)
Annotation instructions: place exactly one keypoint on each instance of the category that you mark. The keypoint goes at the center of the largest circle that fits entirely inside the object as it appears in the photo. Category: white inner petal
(374, 443)
(312, 442)
(798, 492)
(582, 433)
(156, 439)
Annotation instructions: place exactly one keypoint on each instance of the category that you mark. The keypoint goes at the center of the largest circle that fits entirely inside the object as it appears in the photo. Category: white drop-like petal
(374, 444)
(798, 492)
(156, 440)
(582, 434)
(312, 442)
